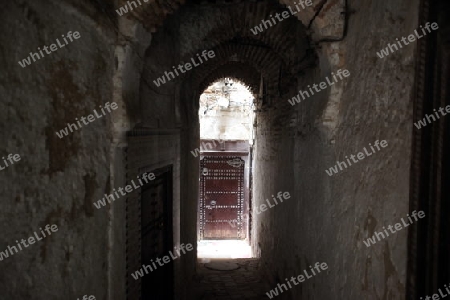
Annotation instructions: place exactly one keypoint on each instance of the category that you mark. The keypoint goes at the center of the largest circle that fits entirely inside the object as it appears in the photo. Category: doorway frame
(429, 241)
(144, 154)
(245, 155)
(246, 192)
(167, 173)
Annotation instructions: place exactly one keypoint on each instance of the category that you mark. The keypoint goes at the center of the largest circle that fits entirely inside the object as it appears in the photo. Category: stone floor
(223, 249)
(243, 283)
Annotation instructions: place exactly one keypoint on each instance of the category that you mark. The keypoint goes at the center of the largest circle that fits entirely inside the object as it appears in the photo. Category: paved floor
(223, 249)
(243, 283)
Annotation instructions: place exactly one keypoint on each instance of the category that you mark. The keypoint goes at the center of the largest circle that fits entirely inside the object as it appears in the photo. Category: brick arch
(207, 29)
(153, 13)
(241, 72)
(289, 42)
(279, 54)
(246, 62)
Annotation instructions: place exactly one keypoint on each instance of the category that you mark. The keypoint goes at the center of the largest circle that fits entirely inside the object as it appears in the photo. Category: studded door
(222, 197)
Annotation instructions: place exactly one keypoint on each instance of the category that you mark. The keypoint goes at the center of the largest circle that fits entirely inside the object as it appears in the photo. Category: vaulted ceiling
(277, 54)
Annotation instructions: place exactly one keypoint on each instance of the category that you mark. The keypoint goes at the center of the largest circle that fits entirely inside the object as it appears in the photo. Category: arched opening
(226, 138)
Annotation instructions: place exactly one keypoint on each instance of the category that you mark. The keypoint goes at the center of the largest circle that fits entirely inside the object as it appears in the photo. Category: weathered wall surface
(132, 42)
(168, 107)
(328, 218)
(57, 180)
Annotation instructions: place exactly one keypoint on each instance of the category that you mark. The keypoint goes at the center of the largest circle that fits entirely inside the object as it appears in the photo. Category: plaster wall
(327, 218)
(57, 180)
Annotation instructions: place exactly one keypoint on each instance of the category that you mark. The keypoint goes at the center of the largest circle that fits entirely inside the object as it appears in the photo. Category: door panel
(156, 224)
(222, 197)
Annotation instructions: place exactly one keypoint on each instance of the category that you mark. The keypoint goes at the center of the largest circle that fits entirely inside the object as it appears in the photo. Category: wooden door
(222, 197)
(157, 240)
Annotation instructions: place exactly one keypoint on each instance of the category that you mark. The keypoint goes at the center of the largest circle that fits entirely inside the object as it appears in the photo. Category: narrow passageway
(246, 282)
(226, 115)
(224, 149)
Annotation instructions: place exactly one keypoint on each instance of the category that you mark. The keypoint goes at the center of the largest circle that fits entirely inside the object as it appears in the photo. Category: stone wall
(57, 180)
(328, 217)
(166, 107)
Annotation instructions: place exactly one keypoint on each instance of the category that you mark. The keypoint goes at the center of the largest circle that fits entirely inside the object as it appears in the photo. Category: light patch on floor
(223, 249)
